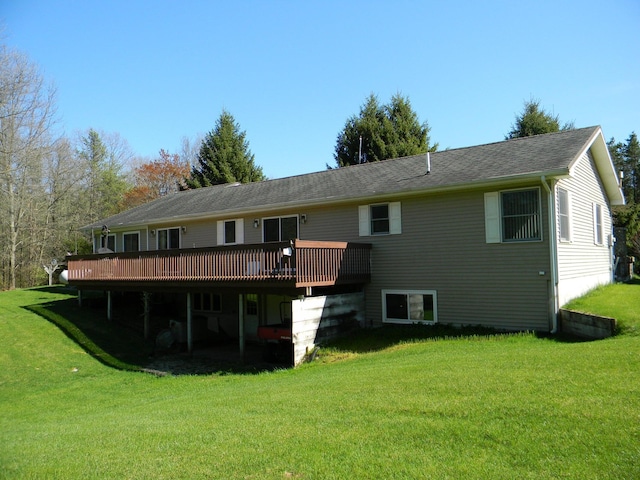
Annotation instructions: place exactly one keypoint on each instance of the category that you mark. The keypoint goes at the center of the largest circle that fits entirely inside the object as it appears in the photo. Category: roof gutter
(553, 255)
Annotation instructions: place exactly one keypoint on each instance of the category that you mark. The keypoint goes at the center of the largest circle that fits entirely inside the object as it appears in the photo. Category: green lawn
(468, 406)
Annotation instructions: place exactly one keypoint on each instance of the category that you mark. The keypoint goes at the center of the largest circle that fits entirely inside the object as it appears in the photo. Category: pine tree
(381, 132)
(626, 158)
(224, 157)
(534, 120)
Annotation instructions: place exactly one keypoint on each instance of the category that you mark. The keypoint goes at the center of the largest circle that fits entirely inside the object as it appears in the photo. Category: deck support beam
(189, 325)
(109, 306)
(241, 325)
(146, 296)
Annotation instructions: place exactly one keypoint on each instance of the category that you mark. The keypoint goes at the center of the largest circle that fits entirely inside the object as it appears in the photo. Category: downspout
(553, 252)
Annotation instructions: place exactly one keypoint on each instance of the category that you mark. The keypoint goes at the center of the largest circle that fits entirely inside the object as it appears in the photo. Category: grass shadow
(123, 348)
(377, 339)
(102, 340)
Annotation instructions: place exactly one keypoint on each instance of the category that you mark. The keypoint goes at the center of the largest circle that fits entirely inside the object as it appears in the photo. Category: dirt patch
(216, 360)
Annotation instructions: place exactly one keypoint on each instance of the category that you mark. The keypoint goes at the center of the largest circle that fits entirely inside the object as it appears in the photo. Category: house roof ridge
(405, 157)
(517, 139)
(494, 162)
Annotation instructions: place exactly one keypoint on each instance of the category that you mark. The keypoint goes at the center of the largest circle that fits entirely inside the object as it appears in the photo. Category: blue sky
(292, 72)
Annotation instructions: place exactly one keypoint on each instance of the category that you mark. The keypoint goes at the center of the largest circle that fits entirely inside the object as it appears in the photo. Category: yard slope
(512, 406)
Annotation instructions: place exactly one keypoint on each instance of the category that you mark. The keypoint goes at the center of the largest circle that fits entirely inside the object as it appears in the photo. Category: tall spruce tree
(534, 120)
(380, 132)
(626, 158)
(224, 157)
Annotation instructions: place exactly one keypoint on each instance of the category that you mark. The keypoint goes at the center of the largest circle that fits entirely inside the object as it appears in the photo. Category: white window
(409, 306)
(598, 229)
(279, 229)
(380, 219)
(564, 219)
(230, 232)
(131, 241)
(168, 238)
(109, 242)
(512, 216)
(207, 302)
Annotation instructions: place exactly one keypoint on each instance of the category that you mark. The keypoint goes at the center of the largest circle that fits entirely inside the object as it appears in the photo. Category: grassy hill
(466, 406)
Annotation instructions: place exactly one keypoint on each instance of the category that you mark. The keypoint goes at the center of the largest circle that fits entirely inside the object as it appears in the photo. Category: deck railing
(301, 263)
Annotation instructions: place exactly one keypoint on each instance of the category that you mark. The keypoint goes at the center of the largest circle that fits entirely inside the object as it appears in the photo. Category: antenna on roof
(428, 164)
(361, 157)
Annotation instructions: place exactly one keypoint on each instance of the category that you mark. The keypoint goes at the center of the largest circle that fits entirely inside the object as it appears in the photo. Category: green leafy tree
(224, 157)
(534, 120)
(380, 132)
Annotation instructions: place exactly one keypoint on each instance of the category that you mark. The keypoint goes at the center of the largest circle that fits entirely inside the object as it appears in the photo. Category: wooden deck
(299, 264)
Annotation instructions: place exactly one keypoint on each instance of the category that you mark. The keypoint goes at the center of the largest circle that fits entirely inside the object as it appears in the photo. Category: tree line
(50, 186)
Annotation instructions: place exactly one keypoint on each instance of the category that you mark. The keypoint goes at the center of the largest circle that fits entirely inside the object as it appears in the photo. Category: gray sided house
(500, 235)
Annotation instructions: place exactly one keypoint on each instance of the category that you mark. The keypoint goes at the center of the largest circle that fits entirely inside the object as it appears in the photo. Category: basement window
(409, 306)
(207, 302)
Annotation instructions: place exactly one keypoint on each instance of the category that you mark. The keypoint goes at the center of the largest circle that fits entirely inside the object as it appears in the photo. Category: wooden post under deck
(241, 324)
(109, 306)
(189, 324)
(146, 296)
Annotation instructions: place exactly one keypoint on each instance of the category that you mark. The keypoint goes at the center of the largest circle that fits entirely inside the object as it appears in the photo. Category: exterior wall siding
(583, 265)
(199, 234)
(322, 224)
(442, 247)
(502, 284)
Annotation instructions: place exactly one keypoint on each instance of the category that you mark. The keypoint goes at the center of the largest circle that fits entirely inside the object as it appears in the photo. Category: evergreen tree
(381, 132)
(105, 183)
(626, 158)
(534, 120)
(631, 153)
(224, 157)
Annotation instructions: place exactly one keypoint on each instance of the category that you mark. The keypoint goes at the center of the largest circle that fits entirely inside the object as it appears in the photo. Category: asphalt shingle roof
(542, 154)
